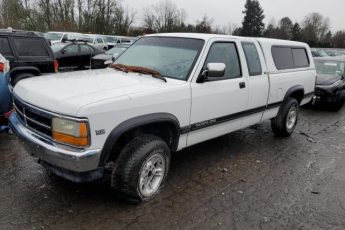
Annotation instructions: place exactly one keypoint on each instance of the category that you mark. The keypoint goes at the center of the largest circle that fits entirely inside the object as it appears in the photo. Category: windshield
(171, 57)
(110, 39)
(330, 67)
(53, 36)
(57, 47)
(116, 50)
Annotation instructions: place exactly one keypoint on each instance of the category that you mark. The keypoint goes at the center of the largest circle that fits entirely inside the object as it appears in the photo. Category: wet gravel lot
(245, 180)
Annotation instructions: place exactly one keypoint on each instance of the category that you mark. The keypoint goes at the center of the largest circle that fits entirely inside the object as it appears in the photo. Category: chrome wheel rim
(151, 174)
(291, 118)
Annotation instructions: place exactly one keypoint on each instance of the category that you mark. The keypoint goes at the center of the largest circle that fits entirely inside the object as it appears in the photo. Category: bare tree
(123, 19)
(164, 17)
(315, 27)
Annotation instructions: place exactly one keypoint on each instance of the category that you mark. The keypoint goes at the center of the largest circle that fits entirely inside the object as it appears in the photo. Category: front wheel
(285, 122)
(141, 169)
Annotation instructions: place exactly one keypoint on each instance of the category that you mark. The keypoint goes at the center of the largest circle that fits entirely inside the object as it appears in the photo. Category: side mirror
(64, 51)
(213, 71)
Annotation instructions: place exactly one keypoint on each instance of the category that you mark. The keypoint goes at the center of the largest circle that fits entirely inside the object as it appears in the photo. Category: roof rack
(74, 40)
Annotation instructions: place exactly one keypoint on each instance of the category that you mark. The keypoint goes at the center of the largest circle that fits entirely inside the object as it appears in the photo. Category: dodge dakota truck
(164, 93)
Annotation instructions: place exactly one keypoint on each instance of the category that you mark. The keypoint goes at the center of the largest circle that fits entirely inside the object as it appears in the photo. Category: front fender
(136, 122)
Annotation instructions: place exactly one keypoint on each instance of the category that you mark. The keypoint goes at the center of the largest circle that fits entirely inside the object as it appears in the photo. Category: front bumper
(72, 164)
(328, 93)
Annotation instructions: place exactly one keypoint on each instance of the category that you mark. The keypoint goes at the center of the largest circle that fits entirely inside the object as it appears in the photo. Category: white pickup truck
(165, 93)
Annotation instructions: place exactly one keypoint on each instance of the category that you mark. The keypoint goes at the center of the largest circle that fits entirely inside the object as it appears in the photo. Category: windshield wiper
(138, 69)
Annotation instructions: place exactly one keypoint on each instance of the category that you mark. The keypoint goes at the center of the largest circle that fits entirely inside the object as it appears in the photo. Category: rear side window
(300, 57)
(86, 49)
(253, 59)
(71, 49)
(28, 47)
(99, 40)
(225, 52)
(5, 48)
(282, 57)
(289, 57)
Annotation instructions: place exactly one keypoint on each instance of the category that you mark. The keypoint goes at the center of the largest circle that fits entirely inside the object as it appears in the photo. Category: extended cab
(164, 93)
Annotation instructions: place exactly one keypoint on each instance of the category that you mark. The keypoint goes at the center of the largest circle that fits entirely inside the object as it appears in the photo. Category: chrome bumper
(64, 161)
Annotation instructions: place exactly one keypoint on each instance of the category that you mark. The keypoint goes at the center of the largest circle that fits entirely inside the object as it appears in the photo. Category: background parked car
(100, 61)
(96, 40)
(56, 37)
(29, 55)
(111, 40)
(124, 39)
(5, 95)
(334, 53)
(318, 53)
(330, 82)
(74, 55)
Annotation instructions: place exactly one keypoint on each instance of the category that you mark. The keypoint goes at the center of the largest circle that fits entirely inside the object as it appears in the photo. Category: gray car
(330, 82)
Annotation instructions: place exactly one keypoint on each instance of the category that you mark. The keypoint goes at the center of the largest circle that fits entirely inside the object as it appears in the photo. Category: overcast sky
(224, 12)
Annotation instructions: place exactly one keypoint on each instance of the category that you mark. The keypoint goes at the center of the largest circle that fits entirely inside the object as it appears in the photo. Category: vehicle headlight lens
(70, 132)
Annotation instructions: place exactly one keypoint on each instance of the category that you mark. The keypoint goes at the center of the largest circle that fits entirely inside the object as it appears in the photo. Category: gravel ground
(248, 179)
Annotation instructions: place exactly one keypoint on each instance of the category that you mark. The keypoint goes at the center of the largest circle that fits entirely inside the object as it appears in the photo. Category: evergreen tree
(252, 24)
(296, 32)
(286, 26)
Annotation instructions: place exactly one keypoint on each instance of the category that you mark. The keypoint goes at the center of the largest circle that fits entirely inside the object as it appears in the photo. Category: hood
(327, 79)
(66, 93)
(104, 57)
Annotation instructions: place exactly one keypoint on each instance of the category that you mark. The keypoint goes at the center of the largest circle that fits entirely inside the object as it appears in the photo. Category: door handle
(242, 85)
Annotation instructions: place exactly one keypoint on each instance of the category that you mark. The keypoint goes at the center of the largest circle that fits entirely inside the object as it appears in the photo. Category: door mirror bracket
(213, 71)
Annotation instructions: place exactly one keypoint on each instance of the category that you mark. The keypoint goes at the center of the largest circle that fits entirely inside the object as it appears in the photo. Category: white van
(56, 37)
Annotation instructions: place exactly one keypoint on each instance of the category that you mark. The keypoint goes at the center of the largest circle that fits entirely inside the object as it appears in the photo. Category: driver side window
(225, 52)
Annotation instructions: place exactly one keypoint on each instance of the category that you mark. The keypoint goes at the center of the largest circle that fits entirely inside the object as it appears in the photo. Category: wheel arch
(296, 92)
(23, 69)
(164, 125)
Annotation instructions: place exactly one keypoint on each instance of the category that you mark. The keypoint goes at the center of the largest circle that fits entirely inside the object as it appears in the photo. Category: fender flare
(31, 69)
(292, 90)
(136, 122)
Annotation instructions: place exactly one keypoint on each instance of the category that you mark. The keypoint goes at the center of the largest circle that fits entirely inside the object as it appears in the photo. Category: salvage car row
(164, 93)
(31, 55)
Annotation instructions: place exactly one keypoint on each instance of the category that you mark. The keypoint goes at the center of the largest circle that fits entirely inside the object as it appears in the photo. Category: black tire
(15, 79)
(279, 123)
(125, 178)
(338, 104)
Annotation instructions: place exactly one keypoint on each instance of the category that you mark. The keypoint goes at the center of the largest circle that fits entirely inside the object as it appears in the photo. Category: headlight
(70, 132)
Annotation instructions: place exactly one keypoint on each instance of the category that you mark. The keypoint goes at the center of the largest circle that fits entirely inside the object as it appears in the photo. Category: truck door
(258, 82)
(218, 106)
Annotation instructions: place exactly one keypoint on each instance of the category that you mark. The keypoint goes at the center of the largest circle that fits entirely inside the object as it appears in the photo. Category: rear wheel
(285, 122)
(141, 168)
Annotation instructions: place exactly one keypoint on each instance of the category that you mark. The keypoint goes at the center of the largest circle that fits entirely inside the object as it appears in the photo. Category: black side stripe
(234, 116)
(219, 120)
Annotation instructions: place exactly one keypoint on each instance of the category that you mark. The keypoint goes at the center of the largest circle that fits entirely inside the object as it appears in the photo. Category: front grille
(34, 118)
